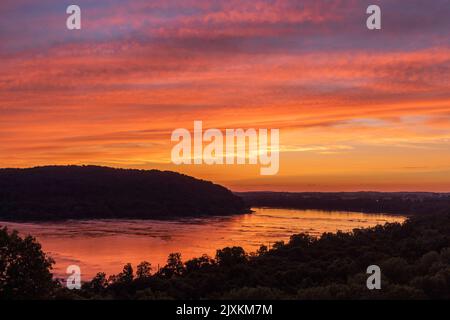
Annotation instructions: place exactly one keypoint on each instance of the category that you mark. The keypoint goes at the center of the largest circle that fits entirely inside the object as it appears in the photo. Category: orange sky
(356, 109)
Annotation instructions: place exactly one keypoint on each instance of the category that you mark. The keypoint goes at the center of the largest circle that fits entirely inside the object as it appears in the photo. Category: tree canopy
(25, 271)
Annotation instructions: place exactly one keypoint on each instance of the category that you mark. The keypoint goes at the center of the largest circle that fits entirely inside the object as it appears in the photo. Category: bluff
(86, 192)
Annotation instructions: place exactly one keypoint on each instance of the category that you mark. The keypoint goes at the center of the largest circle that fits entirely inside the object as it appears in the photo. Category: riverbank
(398, 203)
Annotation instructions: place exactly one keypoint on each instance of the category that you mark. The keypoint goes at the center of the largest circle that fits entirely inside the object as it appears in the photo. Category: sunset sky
(357, 109)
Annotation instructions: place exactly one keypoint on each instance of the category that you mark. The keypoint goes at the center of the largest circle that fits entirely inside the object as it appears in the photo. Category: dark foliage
(404, 203)
(63, 192)
(24, 268)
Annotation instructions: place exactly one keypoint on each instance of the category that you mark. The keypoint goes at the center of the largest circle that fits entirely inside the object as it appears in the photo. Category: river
(106, 245)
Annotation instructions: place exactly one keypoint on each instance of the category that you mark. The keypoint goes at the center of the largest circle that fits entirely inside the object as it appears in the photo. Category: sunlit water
(106, 245)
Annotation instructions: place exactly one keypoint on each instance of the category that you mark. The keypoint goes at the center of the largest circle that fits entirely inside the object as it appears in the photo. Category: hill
(80, 192)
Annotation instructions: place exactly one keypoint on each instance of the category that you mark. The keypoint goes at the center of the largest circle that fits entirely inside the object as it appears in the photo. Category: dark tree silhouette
(144, 270)
(24, 268)
(174, 266)
(200, 263)
(98, 284)
(231, 256)
(126, 276)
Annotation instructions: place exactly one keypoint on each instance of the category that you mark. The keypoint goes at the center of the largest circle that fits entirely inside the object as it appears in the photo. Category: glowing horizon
(357, 110)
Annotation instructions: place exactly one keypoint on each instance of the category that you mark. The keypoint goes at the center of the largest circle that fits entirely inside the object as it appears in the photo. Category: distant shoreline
(396, 203)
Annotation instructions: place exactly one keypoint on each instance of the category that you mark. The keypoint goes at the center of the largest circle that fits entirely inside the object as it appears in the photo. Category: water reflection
(106, 245)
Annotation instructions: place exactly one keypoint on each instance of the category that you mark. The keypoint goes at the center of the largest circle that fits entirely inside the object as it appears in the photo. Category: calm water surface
(106, 245)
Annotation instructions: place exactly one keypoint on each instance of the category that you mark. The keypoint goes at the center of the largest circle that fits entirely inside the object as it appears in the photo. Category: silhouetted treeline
(405, 203)
(63, 192)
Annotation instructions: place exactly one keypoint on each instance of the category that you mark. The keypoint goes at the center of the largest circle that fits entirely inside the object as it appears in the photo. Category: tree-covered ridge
(63, 192)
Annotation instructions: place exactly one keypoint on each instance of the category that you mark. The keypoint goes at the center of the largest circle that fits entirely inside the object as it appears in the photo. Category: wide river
(106, 245)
